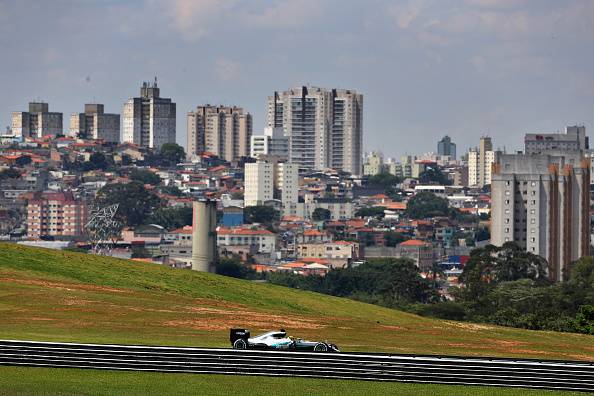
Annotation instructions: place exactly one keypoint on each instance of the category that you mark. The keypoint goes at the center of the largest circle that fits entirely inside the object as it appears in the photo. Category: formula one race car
(278, 341)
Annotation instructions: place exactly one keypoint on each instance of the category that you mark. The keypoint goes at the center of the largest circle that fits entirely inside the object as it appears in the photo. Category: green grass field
(61, 296)
(19, 381)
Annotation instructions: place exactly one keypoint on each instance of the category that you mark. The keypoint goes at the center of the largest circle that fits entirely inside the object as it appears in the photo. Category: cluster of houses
(47, 192)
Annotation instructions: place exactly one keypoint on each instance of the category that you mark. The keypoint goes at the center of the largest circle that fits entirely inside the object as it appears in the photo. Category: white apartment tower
(270, 179)
(272, 142)
(542, 202)
(258, 183)
(149, 120)
(480, 162)
(94, 123)
(324, 126)
(222, 130)
(37, 122)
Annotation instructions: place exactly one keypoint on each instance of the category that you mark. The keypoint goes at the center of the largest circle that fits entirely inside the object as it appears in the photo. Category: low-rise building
(264, 240)
(338, 253)
(420, 252)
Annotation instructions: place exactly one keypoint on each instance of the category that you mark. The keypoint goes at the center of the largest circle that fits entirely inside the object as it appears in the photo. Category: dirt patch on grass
(392, 327)
(209, 310)
(507, 343)
(217, 319)
(63, 286)
(469, 326)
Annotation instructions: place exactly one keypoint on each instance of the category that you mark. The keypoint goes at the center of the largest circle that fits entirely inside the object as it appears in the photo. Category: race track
(560, 375)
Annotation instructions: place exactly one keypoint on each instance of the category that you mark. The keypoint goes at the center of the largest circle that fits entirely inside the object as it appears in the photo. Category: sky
(426, 68)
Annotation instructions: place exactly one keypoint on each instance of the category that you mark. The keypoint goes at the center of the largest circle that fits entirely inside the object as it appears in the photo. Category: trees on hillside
(321, 214)
(98, 161)
(169, 155)
(509, 286)
(171, 218)
(384, 180)
(393, 238)
(145, 176)
(260, 214)
(389, 282)
(434, 175)
(172, 153)
(371, 211)
(491, 265)
(136, 203)
(426, 204)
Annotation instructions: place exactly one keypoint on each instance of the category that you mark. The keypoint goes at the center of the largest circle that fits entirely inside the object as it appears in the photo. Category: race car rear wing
(236, 334)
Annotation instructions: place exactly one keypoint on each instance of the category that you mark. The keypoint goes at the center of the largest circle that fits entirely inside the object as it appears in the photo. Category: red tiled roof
(414, 242)
(291, 218)
(396, 206)
(314, 260)
(242, 231)
(343, 243)
(296, 264)
(183, 230)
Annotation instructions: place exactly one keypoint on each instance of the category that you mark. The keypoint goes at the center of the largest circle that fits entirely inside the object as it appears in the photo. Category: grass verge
(21, 381)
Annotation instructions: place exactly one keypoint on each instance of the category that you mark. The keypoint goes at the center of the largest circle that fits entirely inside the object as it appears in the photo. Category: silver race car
(277, 341)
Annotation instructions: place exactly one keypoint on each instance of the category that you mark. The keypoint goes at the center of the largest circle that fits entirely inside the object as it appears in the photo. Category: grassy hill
(63, 296)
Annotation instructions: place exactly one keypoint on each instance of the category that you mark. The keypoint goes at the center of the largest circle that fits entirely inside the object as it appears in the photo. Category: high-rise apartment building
(149, 120)
(270, 179)
(542, 202)
(324, 126)
(272, 142)
(56, 214)
(574, 138)
(446, 147)
(258, 183)
(480, 163)
(37, 122)
(94, 123)
(222, 130)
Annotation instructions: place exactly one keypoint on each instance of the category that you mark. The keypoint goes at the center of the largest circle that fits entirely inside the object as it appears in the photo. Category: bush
(233, 268)
(449, 310)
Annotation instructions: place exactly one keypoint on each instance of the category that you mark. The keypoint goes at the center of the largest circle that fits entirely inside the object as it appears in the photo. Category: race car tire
(240, 344)
(320, 347)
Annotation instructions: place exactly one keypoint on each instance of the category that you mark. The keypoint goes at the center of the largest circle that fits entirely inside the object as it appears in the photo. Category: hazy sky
(426, 68)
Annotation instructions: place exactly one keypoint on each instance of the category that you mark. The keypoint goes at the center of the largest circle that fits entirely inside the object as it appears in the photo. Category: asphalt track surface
(559, 375)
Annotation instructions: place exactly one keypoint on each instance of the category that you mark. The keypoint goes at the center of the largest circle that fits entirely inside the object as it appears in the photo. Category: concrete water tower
(204, 235)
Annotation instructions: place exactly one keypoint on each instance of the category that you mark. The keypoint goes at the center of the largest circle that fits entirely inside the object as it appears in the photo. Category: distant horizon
(425, 68)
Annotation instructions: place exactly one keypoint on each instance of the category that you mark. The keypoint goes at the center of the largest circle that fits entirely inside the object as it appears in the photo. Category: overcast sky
(426, 68)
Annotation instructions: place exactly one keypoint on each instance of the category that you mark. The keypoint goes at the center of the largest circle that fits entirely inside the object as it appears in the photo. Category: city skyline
(425, 68)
